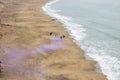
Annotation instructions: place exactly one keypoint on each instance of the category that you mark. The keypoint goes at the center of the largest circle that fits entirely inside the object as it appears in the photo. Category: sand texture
(24, 27)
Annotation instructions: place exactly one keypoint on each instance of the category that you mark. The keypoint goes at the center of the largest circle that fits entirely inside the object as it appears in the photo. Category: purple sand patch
(13, 58)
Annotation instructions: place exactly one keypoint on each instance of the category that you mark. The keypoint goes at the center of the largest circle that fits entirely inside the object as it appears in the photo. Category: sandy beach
(24, 25)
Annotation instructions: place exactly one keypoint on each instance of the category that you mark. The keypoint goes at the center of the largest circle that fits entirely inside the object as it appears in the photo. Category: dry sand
(23, 24)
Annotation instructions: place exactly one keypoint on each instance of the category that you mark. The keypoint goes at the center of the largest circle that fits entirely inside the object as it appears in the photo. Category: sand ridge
(23, 24)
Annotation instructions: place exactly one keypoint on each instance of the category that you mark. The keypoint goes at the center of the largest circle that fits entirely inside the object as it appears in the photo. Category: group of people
(63, 36)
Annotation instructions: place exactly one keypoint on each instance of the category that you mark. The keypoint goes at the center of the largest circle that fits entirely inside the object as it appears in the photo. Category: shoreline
(98, 68)
(31, 27)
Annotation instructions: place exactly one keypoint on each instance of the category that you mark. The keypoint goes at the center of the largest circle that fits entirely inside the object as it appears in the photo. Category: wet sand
(23, 25)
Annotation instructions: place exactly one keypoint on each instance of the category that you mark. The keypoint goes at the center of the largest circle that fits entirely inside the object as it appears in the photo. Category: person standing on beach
(51, 33)
(0, 67)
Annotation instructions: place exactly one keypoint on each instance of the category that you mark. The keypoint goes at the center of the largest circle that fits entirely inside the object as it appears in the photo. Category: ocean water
(95, 27)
